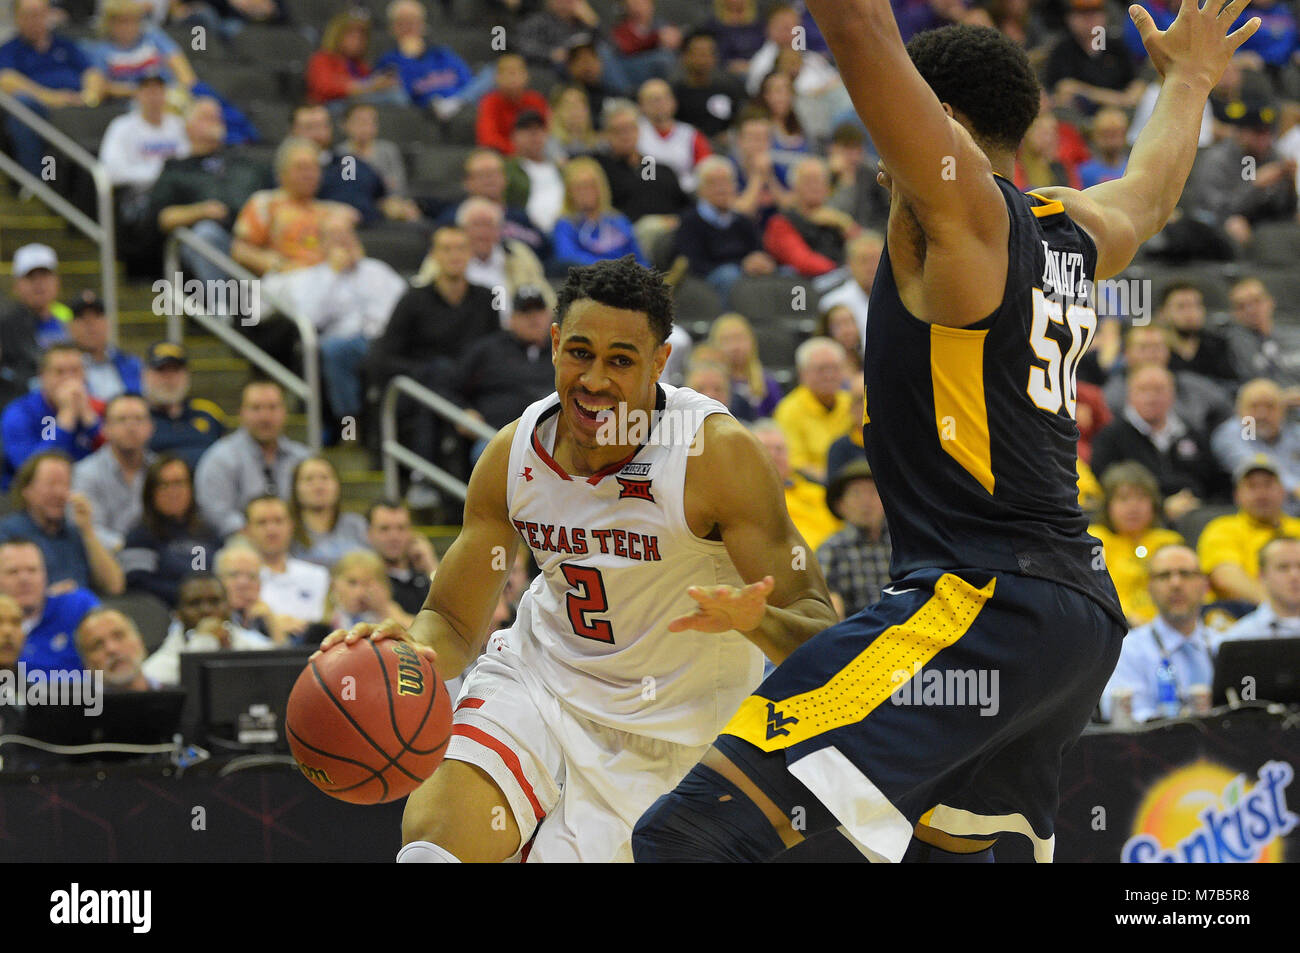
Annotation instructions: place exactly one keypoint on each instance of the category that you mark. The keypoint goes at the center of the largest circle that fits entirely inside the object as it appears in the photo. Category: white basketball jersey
(617, 558)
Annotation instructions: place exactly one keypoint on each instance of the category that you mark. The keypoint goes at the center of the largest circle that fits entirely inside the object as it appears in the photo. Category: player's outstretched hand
(723, 608)
(1198, 40)
(369, 630)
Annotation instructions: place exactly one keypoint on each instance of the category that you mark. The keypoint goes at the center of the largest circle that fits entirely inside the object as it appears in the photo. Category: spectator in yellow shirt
(1229, 546)
(816, 413)
(1129, 535)
(804, 500)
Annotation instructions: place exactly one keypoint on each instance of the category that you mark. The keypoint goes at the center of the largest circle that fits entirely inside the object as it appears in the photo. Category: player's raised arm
(1190, 56)
(945, 177)
(733, 486)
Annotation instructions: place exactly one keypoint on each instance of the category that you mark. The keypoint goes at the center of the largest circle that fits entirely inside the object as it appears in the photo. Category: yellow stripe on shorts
(870, 678)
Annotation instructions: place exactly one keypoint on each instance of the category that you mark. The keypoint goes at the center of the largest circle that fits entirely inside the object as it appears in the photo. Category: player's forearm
(454, 651)
(1162, 157)
(785, 629)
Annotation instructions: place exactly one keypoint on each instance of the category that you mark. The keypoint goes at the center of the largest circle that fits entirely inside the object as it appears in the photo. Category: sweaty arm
(457, 614)
(950, 220)
(758, 534)
(1190, 56)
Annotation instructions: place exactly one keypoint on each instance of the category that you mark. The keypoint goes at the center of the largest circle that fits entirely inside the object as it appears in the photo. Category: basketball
(369, 721)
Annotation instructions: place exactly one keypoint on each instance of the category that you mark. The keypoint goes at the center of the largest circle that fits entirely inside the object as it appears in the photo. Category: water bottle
(1167, 705)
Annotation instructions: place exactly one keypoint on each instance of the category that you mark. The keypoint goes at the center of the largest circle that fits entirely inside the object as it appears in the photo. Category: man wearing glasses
(1176, 636)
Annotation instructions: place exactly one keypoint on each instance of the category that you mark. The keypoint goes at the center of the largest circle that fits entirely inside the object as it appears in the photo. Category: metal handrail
(307, 387)
(394, 452)
(102, 232)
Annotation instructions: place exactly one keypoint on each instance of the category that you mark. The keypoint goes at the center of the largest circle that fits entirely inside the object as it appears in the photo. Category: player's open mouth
(594, 411)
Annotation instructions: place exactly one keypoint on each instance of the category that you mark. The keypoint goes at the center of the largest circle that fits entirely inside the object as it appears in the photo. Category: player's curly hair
(620, 283)
(984, 76)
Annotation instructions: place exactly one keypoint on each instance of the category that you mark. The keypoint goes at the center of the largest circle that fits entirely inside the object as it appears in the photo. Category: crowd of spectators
(721, 148)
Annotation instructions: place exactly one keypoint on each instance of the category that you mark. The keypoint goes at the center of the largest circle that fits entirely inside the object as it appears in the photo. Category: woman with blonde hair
(754, 392)
(590, 229)
(1129, 529)
(838, 324)
(338, 71)
(572, 131)
(360, 591)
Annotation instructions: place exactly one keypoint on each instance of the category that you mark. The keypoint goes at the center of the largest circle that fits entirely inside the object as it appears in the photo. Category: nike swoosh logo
(891, 591)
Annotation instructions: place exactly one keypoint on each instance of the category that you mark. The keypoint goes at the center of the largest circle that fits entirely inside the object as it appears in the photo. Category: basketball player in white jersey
(669, 568)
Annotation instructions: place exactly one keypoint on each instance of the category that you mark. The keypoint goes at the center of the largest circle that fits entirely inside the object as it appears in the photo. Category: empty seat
(435, 169)
(149, 613)
(773, 299)
(86, 126)
(259, 44)
(271, 120)
(407, 125)
(403, 245)
(1276, 244)
(234, 81)
(695, 300)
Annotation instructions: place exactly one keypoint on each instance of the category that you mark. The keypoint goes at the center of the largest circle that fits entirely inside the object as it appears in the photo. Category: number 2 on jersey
(1055, 384)
(591, 599)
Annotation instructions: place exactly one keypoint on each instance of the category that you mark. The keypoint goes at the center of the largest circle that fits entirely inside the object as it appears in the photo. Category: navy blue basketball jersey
(970, 432)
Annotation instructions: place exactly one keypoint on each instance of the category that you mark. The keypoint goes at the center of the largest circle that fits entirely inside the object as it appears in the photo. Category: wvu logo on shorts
(776, 722)
(634, 489)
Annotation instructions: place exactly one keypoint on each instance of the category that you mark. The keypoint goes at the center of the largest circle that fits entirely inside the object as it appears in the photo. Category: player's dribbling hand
(1197, 42)
(723, 608)
(369, 630)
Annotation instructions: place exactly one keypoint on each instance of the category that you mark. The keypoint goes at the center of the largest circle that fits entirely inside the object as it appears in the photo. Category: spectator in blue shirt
(73, 554)
(1278, 617)
(720, 244)
(51, 620)
(434, 77)
(46, 72)
(109, 371)
(132, 50)
(591, 230)
(1176, 635)
(58, 415)
(1109, 137)
(1276, 40)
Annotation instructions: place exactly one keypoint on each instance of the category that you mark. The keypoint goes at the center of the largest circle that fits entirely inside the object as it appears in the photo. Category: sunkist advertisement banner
(1218, 789)
(1206, 813)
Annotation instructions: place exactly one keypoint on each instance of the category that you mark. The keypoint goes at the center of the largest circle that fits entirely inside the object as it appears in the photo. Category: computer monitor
(1270, 666)
(126, 718)
(236, 700)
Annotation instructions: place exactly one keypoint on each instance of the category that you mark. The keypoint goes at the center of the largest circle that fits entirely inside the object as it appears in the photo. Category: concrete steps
(217, 372)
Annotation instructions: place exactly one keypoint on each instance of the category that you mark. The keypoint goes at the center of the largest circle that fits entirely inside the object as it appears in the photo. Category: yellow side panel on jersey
(1050, 206)
(881, 669)
(866, 418)
(960, 413)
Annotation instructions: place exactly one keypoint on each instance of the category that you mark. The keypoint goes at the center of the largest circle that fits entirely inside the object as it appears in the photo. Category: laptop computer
(1267, 668)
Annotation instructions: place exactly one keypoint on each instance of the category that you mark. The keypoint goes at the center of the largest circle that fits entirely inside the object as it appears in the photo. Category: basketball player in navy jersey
(930, 723)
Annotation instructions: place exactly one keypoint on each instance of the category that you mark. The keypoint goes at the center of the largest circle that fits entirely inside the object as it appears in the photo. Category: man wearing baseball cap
(109, 371)
(501, 374)
(35, 320)
(183, 425)
(1229, 546)
(856, 559)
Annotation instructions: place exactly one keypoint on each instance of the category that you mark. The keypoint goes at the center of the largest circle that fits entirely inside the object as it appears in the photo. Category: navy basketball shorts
(949, 702)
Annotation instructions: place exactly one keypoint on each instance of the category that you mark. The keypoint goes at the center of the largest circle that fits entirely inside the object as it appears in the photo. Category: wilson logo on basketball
(410, 676)
(315, 775)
